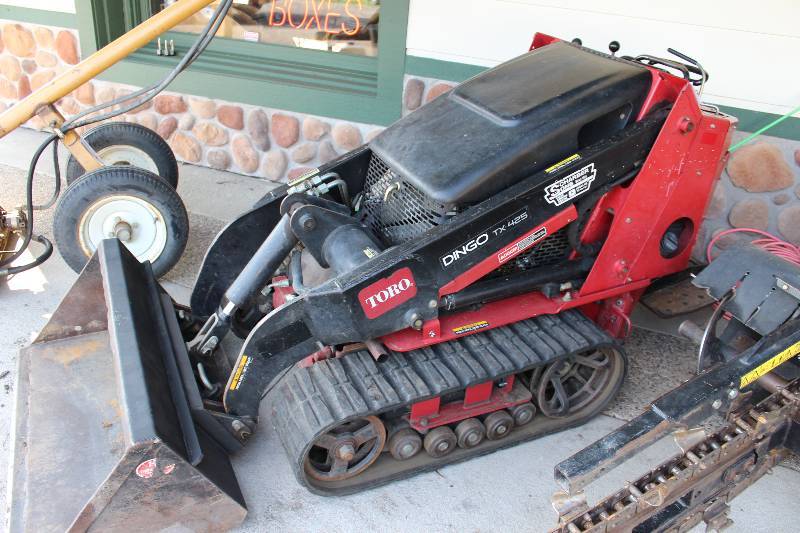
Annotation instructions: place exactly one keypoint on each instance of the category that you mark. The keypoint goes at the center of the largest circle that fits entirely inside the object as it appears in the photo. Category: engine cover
(513, 120)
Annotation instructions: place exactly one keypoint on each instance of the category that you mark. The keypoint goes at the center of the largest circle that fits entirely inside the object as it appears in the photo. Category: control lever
(694, 67)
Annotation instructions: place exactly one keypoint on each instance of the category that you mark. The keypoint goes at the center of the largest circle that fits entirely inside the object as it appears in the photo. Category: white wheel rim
(124, 155)
(107, 218)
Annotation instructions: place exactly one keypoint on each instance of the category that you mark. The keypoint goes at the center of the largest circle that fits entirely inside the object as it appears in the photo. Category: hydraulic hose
(148, 93)
(57, 182)
(41, 258)
(29, 202)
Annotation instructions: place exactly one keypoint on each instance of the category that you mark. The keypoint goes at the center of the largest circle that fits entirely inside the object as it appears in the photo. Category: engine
(498, 127)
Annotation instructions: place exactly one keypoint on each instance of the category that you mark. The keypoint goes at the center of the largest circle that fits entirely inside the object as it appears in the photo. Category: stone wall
(760, 188)
(419, 91)
(31, 56)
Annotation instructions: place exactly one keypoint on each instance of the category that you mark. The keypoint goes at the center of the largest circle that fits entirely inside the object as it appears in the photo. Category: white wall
(64, 6)
(751, 49)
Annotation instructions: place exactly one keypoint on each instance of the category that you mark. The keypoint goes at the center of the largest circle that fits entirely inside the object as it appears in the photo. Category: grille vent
(394, 210)
(397, 212)
(553, 250)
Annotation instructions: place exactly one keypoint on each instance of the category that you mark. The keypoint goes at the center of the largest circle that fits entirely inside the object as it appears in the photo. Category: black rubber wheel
(126, 144)
(498, 425)
(523, 414)
(440, 441)
(129, 203)
(405, 444)
(470, 433)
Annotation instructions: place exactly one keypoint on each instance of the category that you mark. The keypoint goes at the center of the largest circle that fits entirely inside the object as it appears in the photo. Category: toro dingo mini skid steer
(460, 284)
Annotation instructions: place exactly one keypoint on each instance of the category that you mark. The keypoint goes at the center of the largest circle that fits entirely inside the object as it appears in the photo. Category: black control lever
(693, 66)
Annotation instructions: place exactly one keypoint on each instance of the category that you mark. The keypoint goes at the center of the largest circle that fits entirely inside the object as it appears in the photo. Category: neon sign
(316, 14)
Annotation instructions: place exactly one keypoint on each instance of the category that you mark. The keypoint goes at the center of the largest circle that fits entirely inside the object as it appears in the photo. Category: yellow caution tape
(768, 366)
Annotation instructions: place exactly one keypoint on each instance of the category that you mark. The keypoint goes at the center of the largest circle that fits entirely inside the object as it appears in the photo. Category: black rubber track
(110, 181)
(128, 134)
(308, 402)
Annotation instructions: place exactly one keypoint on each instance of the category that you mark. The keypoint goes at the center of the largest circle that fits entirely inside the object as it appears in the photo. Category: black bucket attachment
(108, 429)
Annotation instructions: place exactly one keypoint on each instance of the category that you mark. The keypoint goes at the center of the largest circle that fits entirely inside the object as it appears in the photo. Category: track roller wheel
(470, 433)
(405, 444)
(523, 413)
(347, 450)
(440, 441)
(570, 385)
(498, 425)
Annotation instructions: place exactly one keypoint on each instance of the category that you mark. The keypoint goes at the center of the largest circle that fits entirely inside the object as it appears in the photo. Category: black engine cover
(512, 121)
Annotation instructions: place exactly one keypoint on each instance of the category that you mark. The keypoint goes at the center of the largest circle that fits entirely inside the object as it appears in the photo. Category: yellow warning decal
(561, 164)
(768, 366)
(468, 328)
(240, 368)
(303, 177)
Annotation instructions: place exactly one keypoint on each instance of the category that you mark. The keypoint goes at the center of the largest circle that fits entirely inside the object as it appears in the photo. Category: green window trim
(39, 16)
(355, 88)
(750, 120)
(351, 88)
(439, 69)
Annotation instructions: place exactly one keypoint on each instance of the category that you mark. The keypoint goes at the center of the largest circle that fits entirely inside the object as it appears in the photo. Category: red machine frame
(674, 184)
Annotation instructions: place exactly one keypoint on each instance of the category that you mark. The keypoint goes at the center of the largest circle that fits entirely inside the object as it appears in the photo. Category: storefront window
(343, 26)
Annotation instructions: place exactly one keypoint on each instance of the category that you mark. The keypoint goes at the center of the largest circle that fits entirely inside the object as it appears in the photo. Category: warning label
(241, 370)
(569, 187)
(561, 164)
(469, 328)
(521, 245)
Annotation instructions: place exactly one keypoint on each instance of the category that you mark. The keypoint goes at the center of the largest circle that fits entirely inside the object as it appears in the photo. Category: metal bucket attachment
(106, 432)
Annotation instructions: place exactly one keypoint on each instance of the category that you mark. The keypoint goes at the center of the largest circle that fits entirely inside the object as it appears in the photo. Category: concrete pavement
(505, 491)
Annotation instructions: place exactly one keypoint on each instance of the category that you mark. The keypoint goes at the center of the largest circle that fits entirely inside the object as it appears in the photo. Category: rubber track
(310, 401)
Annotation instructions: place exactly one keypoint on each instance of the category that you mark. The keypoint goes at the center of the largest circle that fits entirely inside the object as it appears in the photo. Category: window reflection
(343, 26)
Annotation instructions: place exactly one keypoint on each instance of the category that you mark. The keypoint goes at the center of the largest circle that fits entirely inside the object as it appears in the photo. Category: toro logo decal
(387, 293)
(146, 469)
(565, 189)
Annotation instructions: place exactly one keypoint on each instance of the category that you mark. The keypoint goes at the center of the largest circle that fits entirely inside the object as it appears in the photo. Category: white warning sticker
(516, 248)
(569, 187)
